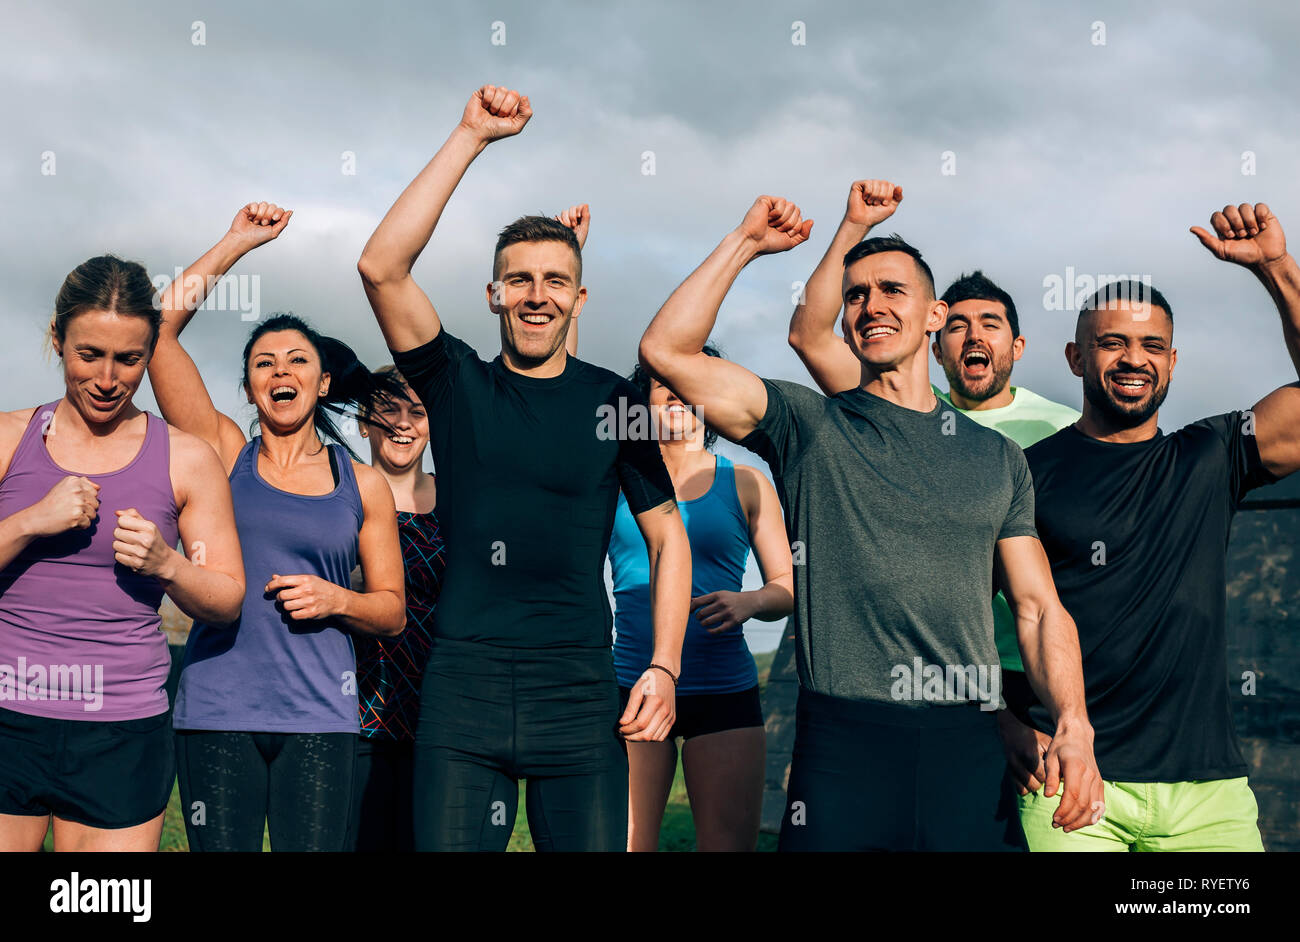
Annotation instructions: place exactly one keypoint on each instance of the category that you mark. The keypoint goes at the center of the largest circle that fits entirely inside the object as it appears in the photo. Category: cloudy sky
(160, 119)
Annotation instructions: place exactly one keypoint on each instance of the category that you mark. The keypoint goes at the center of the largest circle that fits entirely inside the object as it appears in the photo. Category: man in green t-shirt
(977, 347)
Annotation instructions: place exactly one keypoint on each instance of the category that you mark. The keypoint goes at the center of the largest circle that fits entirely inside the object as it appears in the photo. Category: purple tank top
(268, 673)
(79, 634)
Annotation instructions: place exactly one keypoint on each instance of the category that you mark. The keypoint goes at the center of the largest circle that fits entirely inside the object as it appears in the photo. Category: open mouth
(284, 394)
(536, 319)
(104, 402)
(878, 332)
(402, 441)
(976, 362)
(1130, 385)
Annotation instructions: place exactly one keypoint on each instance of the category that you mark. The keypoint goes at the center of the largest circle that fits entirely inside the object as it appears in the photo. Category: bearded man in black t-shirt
(1136, 525)
(520, 680)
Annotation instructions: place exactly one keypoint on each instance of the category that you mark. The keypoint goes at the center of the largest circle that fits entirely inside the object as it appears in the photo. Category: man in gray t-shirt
(862, 478)
(900, 510)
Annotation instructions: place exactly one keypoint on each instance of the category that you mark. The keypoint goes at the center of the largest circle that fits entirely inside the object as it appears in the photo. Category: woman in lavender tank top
(266, 708)
(94, 494)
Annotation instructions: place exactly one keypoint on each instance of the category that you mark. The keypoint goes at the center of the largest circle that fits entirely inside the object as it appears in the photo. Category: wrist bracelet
(660, 667)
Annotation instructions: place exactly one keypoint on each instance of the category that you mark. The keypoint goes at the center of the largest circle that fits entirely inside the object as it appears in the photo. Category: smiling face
(285, 379)
(676, 422)
(105, 356)
(403, 447)
(976, 349)
(888, 309)
(1125, 354)
(536, 294)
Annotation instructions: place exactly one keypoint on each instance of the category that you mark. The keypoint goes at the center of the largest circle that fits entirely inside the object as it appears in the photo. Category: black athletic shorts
(699, 714)
(96, 773)
(871, 776)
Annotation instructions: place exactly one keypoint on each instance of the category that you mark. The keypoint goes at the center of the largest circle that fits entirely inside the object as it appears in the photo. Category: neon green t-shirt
(1029, 419)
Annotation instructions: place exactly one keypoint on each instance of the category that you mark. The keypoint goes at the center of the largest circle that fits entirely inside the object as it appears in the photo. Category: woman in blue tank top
(266, 708)
(728, 509)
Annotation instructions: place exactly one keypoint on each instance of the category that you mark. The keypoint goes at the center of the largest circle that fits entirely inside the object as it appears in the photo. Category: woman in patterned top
(389, 669)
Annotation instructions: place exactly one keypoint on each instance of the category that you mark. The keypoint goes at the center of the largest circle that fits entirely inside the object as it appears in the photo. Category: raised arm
(406, 316)
(1049, 646)
(577, 218)
(812, 328)
(1252, 237)
(728, 397)
(182, 396)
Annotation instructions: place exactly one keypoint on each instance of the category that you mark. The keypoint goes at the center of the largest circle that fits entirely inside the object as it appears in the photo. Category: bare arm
(183, 398)
(812, 328)
(207, 583)
(406, 316)
(577, 218)
(726, 611)
(729, 397)
(1252, 237)
(651, 709)
(1049, 646)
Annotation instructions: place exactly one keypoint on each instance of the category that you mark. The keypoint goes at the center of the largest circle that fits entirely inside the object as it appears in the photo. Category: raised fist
(577, 218)
(72, 504)
(258, 223)
(776, 225)
(495, 112)
(872, 202)
(1247, 235)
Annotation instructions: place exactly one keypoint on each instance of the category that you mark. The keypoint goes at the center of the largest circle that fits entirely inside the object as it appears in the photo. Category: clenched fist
(1247, 235)
(495, 112)
(259, 223)
(304, 597)
(72, 504)
(872, 202)
(139, 545)
(776, 225)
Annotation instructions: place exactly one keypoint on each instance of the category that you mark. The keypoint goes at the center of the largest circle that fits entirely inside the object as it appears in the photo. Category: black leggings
(381, 795)
(491, 716)
(299, 785)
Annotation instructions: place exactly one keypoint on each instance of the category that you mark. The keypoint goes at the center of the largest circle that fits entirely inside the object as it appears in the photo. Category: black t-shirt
(528, 482)
(1137, 535)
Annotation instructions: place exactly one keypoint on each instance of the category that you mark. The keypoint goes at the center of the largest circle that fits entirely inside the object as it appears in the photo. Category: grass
(676, 834)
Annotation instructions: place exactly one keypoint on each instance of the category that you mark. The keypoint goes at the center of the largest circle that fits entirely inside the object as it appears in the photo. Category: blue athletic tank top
(268, 673)
(719, 537)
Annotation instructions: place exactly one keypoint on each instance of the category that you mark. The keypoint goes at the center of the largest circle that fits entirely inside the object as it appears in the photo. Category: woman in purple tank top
(266, 708)
(94, 495)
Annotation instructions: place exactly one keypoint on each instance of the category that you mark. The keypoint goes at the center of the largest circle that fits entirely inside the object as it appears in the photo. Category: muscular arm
(1252, 237)
(209, 584)
(406, 316)
(1049, 646)
(729, 398)
(812, 328)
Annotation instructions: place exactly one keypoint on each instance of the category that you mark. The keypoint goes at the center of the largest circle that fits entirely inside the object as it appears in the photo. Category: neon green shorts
(1209, 815)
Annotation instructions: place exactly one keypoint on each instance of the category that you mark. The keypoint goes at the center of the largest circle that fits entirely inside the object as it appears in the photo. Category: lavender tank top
(79, 633)
(268, 673)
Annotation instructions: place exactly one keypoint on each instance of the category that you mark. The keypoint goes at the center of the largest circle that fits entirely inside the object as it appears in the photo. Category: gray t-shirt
(893, 515)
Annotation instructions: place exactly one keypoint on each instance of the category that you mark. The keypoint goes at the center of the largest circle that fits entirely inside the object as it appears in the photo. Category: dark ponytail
(352, 386)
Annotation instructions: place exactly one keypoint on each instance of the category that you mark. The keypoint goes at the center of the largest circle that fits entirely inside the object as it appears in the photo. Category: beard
(1122, 414)
(999, 374)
